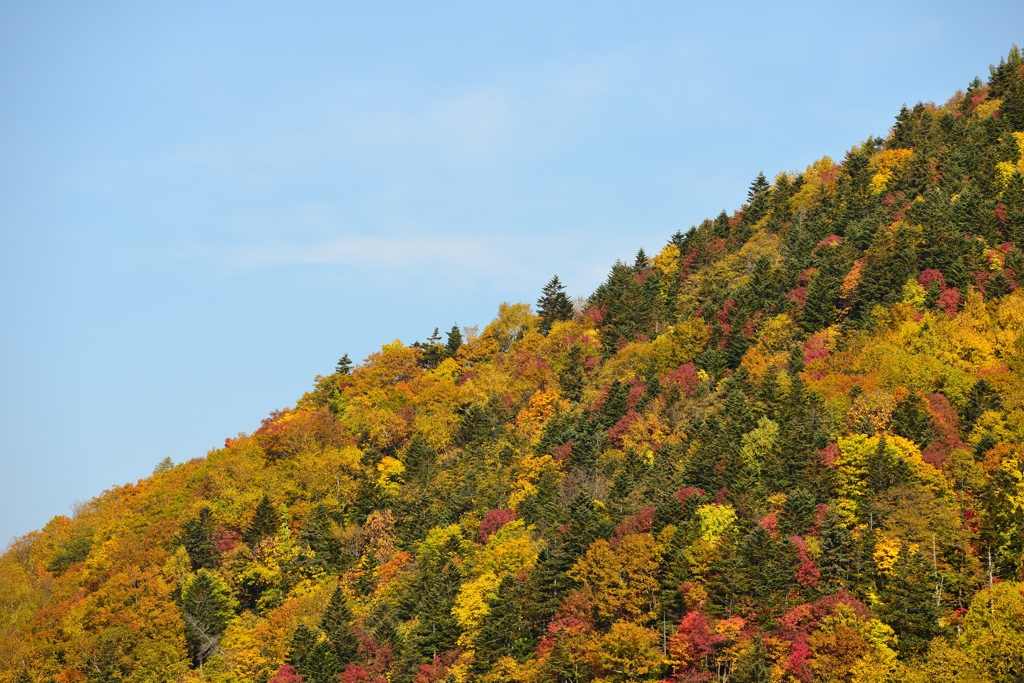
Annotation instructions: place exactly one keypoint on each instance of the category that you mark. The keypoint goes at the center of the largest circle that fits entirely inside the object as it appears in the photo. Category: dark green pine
(511, 628)
(434, 352)
(907, 603)
(337, 626)
(344, 366)
(982, 397)
(265, 522)
(554, 305)
(798, 512)
(911, 420)
(454, 340)
(836, 550)
(322, 665)
(757, 200)
(197, 537)
(303, 640)
(316, 535)
(570, 379)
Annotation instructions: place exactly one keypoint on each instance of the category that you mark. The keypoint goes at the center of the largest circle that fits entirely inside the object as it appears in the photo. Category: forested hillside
(787, 447)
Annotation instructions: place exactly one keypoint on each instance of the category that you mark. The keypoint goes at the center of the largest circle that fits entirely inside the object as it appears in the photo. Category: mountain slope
(787, 447)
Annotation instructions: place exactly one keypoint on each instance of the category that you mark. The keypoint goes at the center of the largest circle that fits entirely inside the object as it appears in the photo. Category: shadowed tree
(265, 522)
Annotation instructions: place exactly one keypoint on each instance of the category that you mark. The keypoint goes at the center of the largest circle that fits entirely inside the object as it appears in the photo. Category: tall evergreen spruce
(197, 537)
(512, 627)
(316, 535)
(911, 420)
(757, 199)
(207, 608)
(908, 602)
(303, 640)
(571, 379)
(554, 305)
(337, 626)
(454, 342)
(265, 522)
(836, 550)
(344, 366)
(433, 351)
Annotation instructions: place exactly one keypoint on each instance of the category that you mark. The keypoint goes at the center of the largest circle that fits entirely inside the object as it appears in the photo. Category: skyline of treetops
(786, 447)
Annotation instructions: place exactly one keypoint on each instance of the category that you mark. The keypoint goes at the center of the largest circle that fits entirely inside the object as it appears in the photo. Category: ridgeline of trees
(787, 447)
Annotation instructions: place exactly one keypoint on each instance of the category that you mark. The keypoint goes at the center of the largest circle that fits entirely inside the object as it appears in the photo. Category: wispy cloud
(405, 187)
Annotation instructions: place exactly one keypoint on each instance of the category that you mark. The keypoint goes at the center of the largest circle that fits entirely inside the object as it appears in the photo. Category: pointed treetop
(758, 187)
(344, 366)
(454, 340)
(336, 624)
(641, 260)
(265, 522)
(554, 305)
(721, 225)
(553, 286)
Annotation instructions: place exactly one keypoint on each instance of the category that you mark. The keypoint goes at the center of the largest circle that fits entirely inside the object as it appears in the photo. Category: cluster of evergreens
(788, 447)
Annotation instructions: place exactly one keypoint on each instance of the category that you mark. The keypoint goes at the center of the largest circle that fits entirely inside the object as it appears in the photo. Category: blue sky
(203, 205)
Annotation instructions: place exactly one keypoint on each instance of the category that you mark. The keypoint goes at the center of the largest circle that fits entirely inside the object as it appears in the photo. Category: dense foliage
(788, 447)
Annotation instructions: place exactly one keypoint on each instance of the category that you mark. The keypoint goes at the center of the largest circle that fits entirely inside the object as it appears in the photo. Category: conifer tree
(836, 550)
(721, 227)
(570, 379)
(885, 469)
(265, 522)
(303, 640)
(981, 397)
(907, 602)
(682, 241)
(344, 366)
(433, 351)
(321, 664)
(554, 305)
(206, 608)
(387, 634)
(757, 199)
(365, 582)
(911, 420)
(454, 341)
(823, 290)
(316, 535)
(641, 262)
(616, 403)
(197, 537)
(586, 525)
(780, 212)
(337, 626)
(626, 307)
(510, 629)
(798, 511)
(417, 458)
(436, 630)
(767, 565)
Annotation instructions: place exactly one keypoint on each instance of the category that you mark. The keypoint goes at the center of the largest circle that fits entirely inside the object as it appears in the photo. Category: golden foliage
(885, 164)
(623, 580)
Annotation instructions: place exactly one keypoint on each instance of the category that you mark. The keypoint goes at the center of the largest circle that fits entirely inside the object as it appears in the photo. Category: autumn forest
(788, 446)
